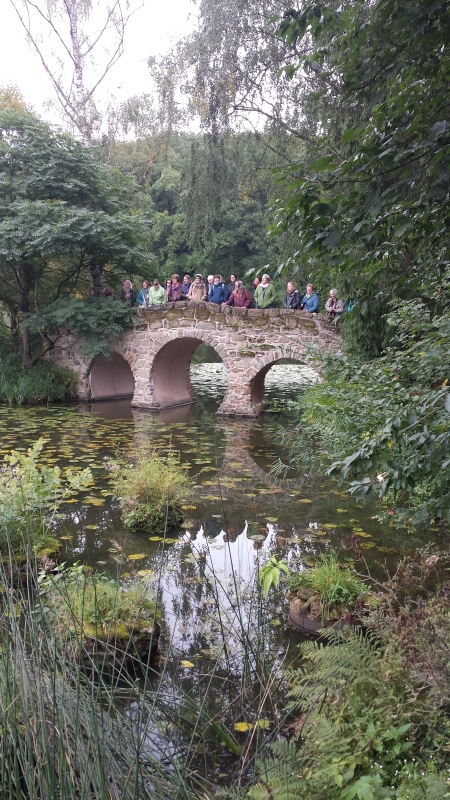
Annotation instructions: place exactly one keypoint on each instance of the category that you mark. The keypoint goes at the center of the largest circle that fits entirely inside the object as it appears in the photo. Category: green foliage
(151, 490)
(28, 493)
(269, 574)
(64, 219)
(368, 198)
(335, 586)
(383, 428)
(41, 383)
(93, 318)
(356, 731)
(93, 605)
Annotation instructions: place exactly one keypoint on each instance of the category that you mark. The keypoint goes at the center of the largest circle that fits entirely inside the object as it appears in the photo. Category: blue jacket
(218, 294)
(311, 303)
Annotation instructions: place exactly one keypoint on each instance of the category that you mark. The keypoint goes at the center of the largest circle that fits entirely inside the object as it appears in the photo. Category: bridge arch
(110, 378)
(257, 382)
(170, 372)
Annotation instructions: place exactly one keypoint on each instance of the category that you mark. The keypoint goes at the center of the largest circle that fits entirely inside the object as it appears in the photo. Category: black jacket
(292, 300)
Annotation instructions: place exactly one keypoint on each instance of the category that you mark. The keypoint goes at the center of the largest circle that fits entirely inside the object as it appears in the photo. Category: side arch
(110, 378)
(262, 367)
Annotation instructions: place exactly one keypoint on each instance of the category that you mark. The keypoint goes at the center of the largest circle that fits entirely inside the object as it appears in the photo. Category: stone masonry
(159, 350)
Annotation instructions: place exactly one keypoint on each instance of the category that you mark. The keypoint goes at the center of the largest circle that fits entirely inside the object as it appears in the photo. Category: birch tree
(77, 42)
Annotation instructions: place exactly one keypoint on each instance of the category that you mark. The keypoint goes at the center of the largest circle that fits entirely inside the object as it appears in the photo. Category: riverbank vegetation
(41, 383)
(30, 494)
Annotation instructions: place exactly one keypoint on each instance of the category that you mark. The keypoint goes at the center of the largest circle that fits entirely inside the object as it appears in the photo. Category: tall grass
(41, 383)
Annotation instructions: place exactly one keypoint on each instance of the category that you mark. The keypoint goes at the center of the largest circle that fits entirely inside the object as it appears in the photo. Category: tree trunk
(25, 309)
(98, 279)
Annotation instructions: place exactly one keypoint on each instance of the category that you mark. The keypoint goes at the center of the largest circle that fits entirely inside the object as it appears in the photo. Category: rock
(304, 594)
(115, 655)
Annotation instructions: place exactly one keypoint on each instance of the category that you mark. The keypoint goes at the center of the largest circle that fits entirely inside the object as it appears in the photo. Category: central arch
(171, 372)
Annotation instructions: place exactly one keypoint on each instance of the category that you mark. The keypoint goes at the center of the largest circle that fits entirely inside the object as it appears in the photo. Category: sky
(150, 31)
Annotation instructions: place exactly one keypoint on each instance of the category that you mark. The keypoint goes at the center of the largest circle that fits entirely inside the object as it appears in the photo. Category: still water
(238, 516)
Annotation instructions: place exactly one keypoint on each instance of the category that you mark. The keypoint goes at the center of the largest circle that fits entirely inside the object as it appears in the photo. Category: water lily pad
(146, 573)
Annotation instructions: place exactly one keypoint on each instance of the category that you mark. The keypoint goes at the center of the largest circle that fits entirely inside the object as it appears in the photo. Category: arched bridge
(151, 361)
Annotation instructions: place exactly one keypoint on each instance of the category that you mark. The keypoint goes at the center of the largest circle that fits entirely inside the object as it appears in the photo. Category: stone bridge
(151, 361)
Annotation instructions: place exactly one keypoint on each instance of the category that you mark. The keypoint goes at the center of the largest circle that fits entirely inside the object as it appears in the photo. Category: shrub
(43, 382)
(151, 490)
(333, 586)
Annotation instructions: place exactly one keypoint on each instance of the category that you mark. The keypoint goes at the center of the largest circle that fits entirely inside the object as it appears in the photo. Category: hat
(198, 276)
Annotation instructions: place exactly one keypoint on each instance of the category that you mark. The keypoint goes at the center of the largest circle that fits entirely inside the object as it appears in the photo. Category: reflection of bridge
(237, 472)
(151, 361)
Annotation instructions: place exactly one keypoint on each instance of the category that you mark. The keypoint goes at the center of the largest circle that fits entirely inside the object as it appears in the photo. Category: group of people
(215, 290)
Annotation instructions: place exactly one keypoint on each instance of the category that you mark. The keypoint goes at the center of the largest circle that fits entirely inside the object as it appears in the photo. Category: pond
(240, 514)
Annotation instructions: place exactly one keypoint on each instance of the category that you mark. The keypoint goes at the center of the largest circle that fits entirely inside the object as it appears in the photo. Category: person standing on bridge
(240, 297)
(265, 295)
(197, 290)
(292, 296)
(142, 297)
(156, 294)
(232, 284)
(333, 306)
(177, 293)
(169, 289)
(310, 301)
(219, 293)
(186, 285)
(128, 295)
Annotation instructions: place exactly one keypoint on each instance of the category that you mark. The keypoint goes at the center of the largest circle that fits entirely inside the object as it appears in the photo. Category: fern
(355, 720)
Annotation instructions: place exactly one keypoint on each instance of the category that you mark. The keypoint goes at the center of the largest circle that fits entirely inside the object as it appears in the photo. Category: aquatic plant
(151, 489)
(30, 492)
(334, 586)
(95, 606)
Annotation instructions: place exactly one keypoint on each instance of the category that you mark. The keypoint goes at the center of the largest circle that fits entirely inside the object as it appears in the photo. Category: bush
(43, 382)
(151, 490)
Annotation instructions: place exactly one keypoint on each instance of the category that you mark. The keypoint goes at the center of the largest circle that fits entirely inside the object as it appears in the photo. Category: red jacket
(244, 301)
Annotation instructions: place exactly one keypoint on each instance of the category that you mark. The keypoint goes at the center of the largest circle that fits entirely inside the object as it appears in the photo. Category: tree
(371, 196)
(64, 218)
(57, 30)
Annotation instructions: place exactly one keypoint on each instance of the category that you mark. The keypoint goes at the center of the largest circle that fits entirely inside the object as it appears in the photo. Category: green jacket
(156, 297)
(267, 299)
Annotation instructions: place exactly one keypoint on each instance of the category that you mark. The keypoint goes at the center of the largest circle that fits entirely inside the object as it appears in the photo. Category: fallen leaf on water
(188, 508)
(65, 537)
(92, 527)
(304, 500)
(263, 723)
(136, 556)
(146, 573)
(169, 541)
(242, 726)
(187, 664)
